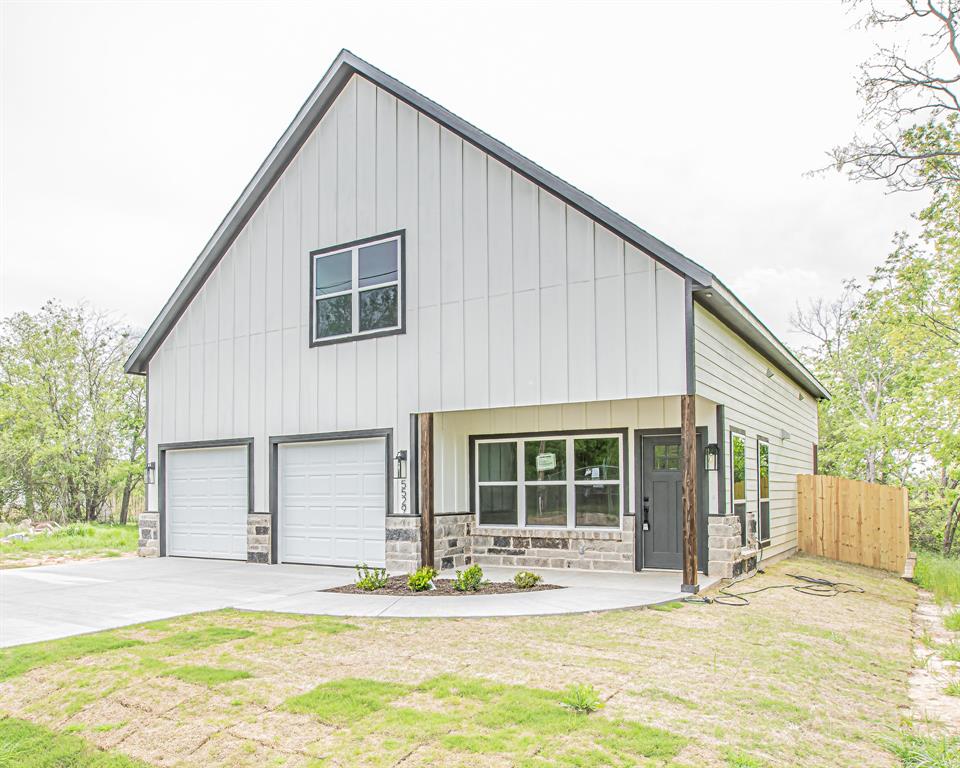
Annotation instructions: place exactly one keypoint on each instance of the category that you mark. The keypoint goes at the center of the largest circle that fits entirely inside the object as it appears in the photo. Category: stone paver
(50, 602)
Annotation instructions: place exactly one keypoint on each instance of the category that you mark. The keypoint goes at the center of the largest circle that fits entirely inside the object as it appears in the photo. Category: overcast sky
(129, 129)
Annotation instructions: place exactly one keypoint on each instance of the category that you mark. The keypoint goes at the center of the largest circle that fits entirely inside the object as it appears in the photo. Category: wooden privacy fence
(854, 522)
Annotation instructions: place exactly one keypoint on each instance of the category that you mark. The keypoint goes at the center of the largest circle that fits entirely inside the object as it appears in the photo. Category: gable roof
(343, 68)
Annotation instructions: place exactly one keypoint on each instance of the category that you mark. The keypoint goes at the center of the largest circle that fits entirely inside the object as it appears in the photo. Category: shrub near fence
(853, 521)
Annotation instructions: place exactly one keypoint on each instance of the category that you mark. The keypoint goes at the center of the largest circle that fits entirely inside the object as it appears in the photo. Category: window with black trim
(738, 471)
(554, 481)
(357, 289)
(763, 490)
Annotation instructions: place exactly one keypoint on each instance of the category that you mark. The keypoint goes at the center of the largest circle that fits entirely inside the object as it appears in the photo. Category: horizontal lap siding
(731, 373)
(512, 297)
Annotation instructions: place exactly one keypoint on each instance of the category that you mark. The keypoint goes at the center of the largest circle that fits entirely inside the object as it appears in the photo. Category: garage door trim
(321, 437)
(162, 474)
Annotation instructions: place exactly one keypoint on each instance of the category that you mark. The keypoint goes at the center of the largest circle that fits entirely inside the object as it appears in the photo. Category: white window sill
(610, 534)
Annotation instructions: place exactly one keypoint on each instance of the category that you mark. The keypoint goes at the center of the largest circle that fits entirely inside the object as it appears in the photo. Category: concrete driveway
(54, 601)
(49, 602)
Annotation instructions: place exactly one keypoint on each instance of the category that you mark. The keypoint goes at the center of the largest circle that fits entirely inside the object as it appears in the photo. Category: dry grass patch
(790, 680)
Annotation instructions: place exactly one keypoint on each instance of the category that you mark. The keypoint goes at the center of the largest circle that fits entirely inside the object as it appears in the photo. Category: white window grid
(520, 484)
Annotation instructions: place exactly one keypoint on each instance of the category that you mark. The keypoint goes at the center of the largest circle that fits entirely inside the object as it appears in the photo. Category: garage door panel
(206, 502)
(332, 502)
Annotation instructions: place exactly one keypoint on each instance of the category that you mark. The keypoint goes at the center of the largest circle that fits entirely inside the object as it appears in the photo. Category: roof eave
(344, 66)
(725, 305)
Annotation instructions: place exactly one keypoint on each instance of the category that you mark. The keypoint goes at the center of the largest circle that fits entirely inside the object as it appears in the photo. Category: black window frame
(739, 505)
(623, 483)
(401, 328)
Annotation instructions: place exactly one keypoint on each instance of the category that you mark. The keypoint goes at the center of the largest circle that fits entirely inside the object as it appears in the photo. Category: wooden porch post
(688, 449)
(425, 464)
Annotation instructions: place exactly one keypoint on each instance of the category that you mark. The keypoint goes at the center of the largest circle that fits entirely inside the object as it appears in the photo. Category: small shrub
(582, 699)
(469, 580)
(422, 579)
(940, 575)
(74, 529)
(950, 652)
(953, 688)
(952, 622)
(925, 751)
(526, 580)
(371, 579)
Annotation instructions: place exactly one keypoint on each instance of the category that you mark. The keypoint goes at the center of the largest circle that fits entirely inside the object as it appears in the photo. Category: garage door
(332, 502)
(206, 502)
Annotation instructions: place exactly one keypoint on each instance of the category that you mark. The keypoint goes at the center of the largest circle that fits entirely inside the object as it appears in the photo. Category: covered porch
(613, 487)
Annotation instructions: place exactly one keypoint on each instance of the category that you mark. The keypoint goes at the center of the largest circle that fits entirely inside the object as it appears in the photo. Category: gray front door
(660, 513)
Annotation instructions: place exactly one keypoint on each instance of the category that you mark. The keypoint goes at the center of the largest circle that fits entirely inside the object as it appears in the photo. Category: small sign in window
(546, 462)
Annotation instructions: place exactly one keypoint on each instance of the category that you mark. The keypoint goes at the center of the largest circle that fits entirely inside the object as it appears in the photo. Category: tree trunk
(125, 503)
(28, 498)
(950, 529)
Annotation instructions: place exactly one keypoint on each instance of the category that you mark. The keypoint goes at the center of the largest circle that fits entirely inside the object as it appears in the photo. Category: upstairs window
(357, 290)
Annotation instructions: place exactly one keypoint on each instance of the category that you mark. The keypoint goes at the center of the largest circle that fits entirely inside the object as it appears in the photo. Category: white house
(407, 343)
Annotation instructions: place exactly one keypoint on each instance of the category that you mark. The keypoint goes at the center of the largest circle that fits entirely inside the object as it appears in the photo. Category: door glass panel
(545, 460)
(378, 308)
(334, 316)
(547, 505)
(598, 506)
(498, 505)
(666, 457)
(378, 263)
(498, 462)
(596, 458)
(334, 273)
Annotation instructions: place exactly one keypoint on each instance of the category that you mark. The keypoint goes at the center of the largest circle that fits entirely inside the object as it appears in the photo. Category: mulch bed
(397, 587)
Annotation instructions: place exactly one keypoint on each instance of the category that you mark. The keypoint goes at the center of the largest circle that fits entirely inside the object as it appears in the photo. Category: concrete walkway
(49, 602)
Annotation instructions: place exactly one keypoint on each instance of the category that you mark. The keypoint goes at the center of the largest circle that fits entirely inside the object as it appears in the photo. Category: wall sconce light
(400, 466)
(769, 373)
(150, 474)
(711, 457)
(800, 395)
(784, 435)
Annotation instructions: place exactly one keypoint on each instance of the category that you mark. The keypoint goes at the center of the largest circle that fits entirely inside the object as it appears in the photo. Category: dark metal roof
(313, 109)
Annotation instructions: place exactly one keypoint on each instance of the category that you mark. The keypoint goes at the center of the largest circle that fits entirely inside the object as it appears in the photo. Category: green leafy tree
(891, 352)
(72, 421)
(909, 92)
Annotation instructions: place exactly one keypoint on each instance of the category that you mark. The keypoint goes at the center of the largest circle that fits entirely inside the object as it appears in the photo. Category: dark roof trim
(313, 109)
(722, 303)
(733, 313)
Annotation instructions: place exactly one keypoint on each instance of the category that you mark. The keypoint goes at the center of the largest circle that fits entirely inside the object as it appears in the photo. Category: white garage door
(332, 502)
(206, 502)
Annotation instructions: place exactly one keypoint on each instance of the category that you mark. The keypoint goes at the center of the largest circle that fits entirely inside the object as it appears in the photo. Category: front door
(660, 511)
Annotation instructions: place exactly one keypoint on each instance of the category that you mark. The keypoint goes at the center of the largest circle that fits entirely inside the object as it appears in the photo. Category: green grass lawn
(940, 575)
(790, 680)
(74, 541)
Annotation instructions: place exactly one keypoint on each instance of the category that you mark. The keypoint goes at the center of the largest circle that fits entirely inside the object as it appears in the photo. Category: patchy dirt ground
(28, 561)
(933, 707)
(790, 680)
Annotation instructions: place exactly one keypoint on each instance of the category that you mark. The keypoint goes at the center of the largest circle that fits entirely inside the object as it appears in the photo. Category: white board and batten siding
(730, 372)
(513, 298)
